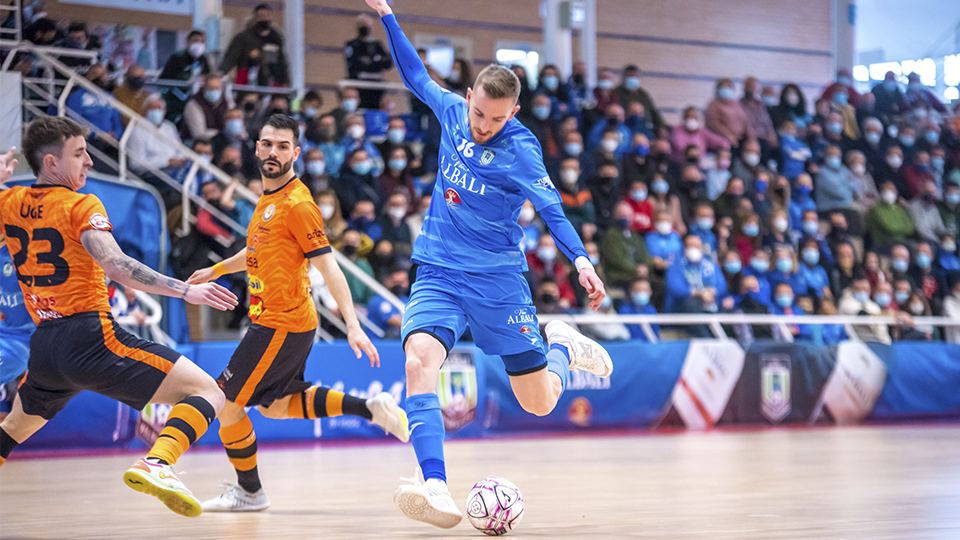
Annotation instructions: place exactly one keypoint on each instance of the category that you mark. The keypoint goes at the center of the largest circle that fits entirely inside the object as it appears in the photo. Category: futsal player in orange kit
(285, 234)
(62, 250)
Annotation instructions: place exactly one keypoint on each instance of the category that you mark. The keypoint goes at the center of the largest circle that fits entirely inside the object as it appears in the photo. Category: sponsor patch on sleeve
(100, 222)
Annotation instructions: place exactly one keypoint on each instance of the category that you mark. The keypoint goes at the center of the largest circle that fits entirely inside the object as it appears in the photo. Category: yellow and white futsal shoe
(161, 482)
(585, 353)
(389, 416)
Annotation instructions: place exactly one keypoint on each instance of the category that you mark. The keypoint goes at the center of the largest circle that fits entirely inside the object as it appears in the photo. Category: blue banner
(923, 381)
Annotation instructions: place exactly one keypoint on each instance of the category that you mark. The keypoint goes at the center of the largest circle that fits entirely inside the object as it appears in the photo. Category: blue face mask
(953, 198)
(705, 223)
(660, 186)
(726, 92)
(811, 256)
(761, 186)
(890, 86)
(861, 297)
(751, 229)
(872, 137)
(550, 82)
(804, 190)
(362, 168)
(937, 163)
(632, 83)
(309, 112)
(316, 168)
(732, 267)
(882, 299)
(901, 296)
(641, 298)
(811, 227)
(932, 137)
(907, 140)
(900, 265)
(398, 164)
(840, 98)
(759, 265)
(573, 148)
(623, 224)
(638, 195)
(155, 116)
(833, 162)
(923, 260)
(784, 265)
(834, 127)
(784, 300)
(605, 84)
(235, 126)
(396, 135)
(642, 150)
(212, 96)
(541, 112)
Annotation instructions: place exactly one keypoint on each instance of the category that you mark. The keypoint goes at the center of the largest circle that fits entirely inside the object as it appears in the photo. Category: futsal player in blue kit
(16, 327)
(471, 264)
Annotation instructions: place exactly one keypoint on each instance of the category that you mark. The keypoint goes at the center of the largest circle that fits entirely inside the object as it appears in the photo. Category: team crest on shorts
(487, 157)
(268, 212)
(451, 196)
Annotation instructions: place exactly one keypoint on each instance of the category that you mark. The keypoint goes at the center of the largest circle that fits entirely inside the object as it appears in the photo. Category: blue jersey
(471, 224)
(15, 322)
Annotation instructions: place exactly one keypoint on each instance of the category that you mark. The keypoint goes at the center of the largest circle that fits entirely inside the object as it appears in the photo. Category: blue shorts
(14, 353)
(498, 307)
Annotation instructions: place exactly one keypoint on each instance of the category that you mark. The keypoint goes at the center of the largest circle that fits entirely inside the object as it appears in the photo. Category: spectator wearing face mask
(840, 232)
(356, 138)
(315, 175)
(842, 86)
(357, 182)
(544, 262)
(637, 165)
(792, 107)
(949, 208)
(747, 235)
(925, 214)
(366, 61)
(322, 136)
(694, 284)
(892, 170)
(801, 201)
(352, 246)
(810, 274)
(908, 330)
(757, 115)
(856, 301)
(759, 267)
(778, 233)
(748, 167)
(461, 77)
(531, 228)
(918, 96)
(725, 115)
(259, 44)
(606, 190)
(717, 174)
(204, 116)
(663, 243)
(923, 276)
(235, 135)
(784, 269)
(784, 304)
(794, 153)
(624, 254)
(572, 148)
(333, 222)
(845, 271)
(702, 226)
(863, 188)
(732, 268)
(750, 300)
(630, 91)
(394, 225)
(349, 103)
(396, 177)
(888, 99)
(917, 174)
(871, 144)
(551, 86)
(542, 127)
(605, 93)
(692, 190)
(900, 264)
(146, 148)
(638, 303)
(575, 198)
(364, 219)
(946, 263)
(383, 313)
(888, 222)
(78, 38)
(835, 190)
(397, 138)
(548, 300)
(186, 65)
(95, 110)
(728, 203)
(132, 92)
(810, 230)
(883, 297)
(693, 133)
(619, 141)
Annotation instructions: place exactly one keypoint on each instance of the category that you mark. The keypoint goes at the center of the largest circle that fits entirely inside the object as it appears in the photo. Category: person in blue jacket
(810, 275)
(638, 303)
(694, 283)
(471, 265)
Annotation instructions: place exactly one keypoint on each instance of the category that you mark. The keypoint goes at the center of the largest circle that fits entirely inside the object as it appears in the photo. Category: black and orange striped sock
(7, 444)
(187, 422)
(320, 402)
(241, 444)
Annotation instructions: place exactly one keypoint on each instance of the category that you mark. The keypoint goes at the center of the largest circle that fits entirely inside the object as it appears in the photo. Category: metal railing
(716, 321)
(15, 33)
(154, 314)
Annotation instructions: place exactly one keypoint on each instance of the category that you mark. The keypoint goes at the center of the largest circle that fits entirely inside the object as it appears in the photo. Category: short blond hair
(498, 82)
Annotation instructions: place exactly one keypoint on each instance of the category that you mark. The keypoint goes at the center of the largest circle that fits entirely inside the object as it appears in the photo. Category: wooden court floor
(896, 482)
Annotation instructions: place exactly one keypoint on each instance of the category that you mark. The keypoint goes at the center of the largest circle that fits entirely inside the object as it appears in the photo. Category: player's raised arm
(128, 271)
(7, 165)
(337, 283)
(412, 71)
(236, 263)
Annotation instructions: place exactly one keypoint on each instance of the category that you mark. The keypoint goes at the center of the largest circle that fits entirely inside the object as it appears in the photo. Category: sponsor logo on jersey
(525, 330)
(454, 172)
(256, 307)
(268, 212)
(7, 269)
(545, 184)
(100, 222)
(316, 235)
(487, 157)
(520, 316)
(451, 196)
(254, 285)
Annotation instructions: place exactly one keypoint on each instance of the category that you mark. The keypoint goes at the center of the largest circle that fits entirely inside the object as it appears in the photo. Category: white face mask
(664, 227)
(858, 169)
(609, 145)
(894, 161)
(569, 176)
(197, 49)
(397, 212)
(326, 210)
(890, 196)
(694, 255)
(526, 214)
(356, 131)
(780, 224)
(692, 124)
(751, 159)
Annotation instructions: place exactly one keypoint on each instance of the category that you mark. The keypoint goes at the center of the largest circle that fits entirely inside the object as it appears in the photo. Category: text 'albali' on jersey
(43, 225)
(471, 224)
(285, 232)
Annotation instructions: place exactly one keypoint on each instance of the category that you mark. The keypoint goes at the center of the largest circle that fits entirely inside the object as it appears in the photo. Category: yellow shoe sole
(180, 502)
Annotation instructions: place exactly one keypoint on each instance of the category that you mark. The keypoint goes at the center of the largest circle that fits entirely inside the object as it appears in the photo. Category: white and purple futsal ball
(494, 506)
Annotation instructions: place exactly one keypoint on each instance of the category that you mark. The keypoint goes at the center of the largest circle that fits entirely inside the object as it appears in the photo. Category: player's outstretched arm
(7, 165)
(337, 283)
(237, 263)
(412, 71)
(130, 272)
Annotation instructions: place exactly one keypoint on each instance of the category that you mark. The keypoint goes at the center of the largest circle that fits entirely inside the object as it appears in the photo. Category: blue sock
(426, 434)
(558, 361)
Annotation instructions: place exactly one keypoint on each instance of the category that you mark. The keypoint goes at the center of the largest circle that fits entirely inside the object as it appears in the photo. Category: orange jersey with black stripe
(286, 231)
(43, 225)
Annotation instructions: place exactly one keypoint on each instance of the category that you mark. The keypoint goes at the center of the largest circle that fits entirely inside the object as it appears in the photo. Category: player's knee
(274, 411)
(537, 407)
(211, 392)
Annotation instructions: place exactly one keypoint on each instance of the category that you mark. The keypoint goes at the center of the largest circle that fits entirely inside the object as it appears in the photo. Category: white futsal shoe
(585, 353)
(236, 499)
(429, 502)
(161, 482)
(389, 416)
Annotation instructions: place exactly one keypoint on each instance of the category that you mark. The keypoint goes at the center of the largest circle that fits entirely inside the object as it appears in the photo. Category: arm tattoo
(127, 270)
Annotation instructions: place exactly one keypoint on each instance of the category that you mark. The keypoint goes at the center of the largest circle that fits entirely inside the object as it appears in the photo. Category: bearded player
(62, 250)
(285, 234)
(471, 264)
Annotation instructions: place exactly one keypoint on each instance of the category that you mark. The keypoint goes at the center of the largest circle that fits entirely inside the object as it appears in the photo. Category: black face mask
(363, 31)
(399, 290)
(349, 250)
(230, 168)
(659, 157)
(578, 79)
(249, 107)
(262, 26)
(548, 298)
(136, 83)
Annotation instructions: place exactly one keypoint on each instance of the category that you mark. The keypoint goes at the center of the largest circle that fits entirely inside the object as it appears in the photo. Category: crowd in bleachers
(760, 200)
